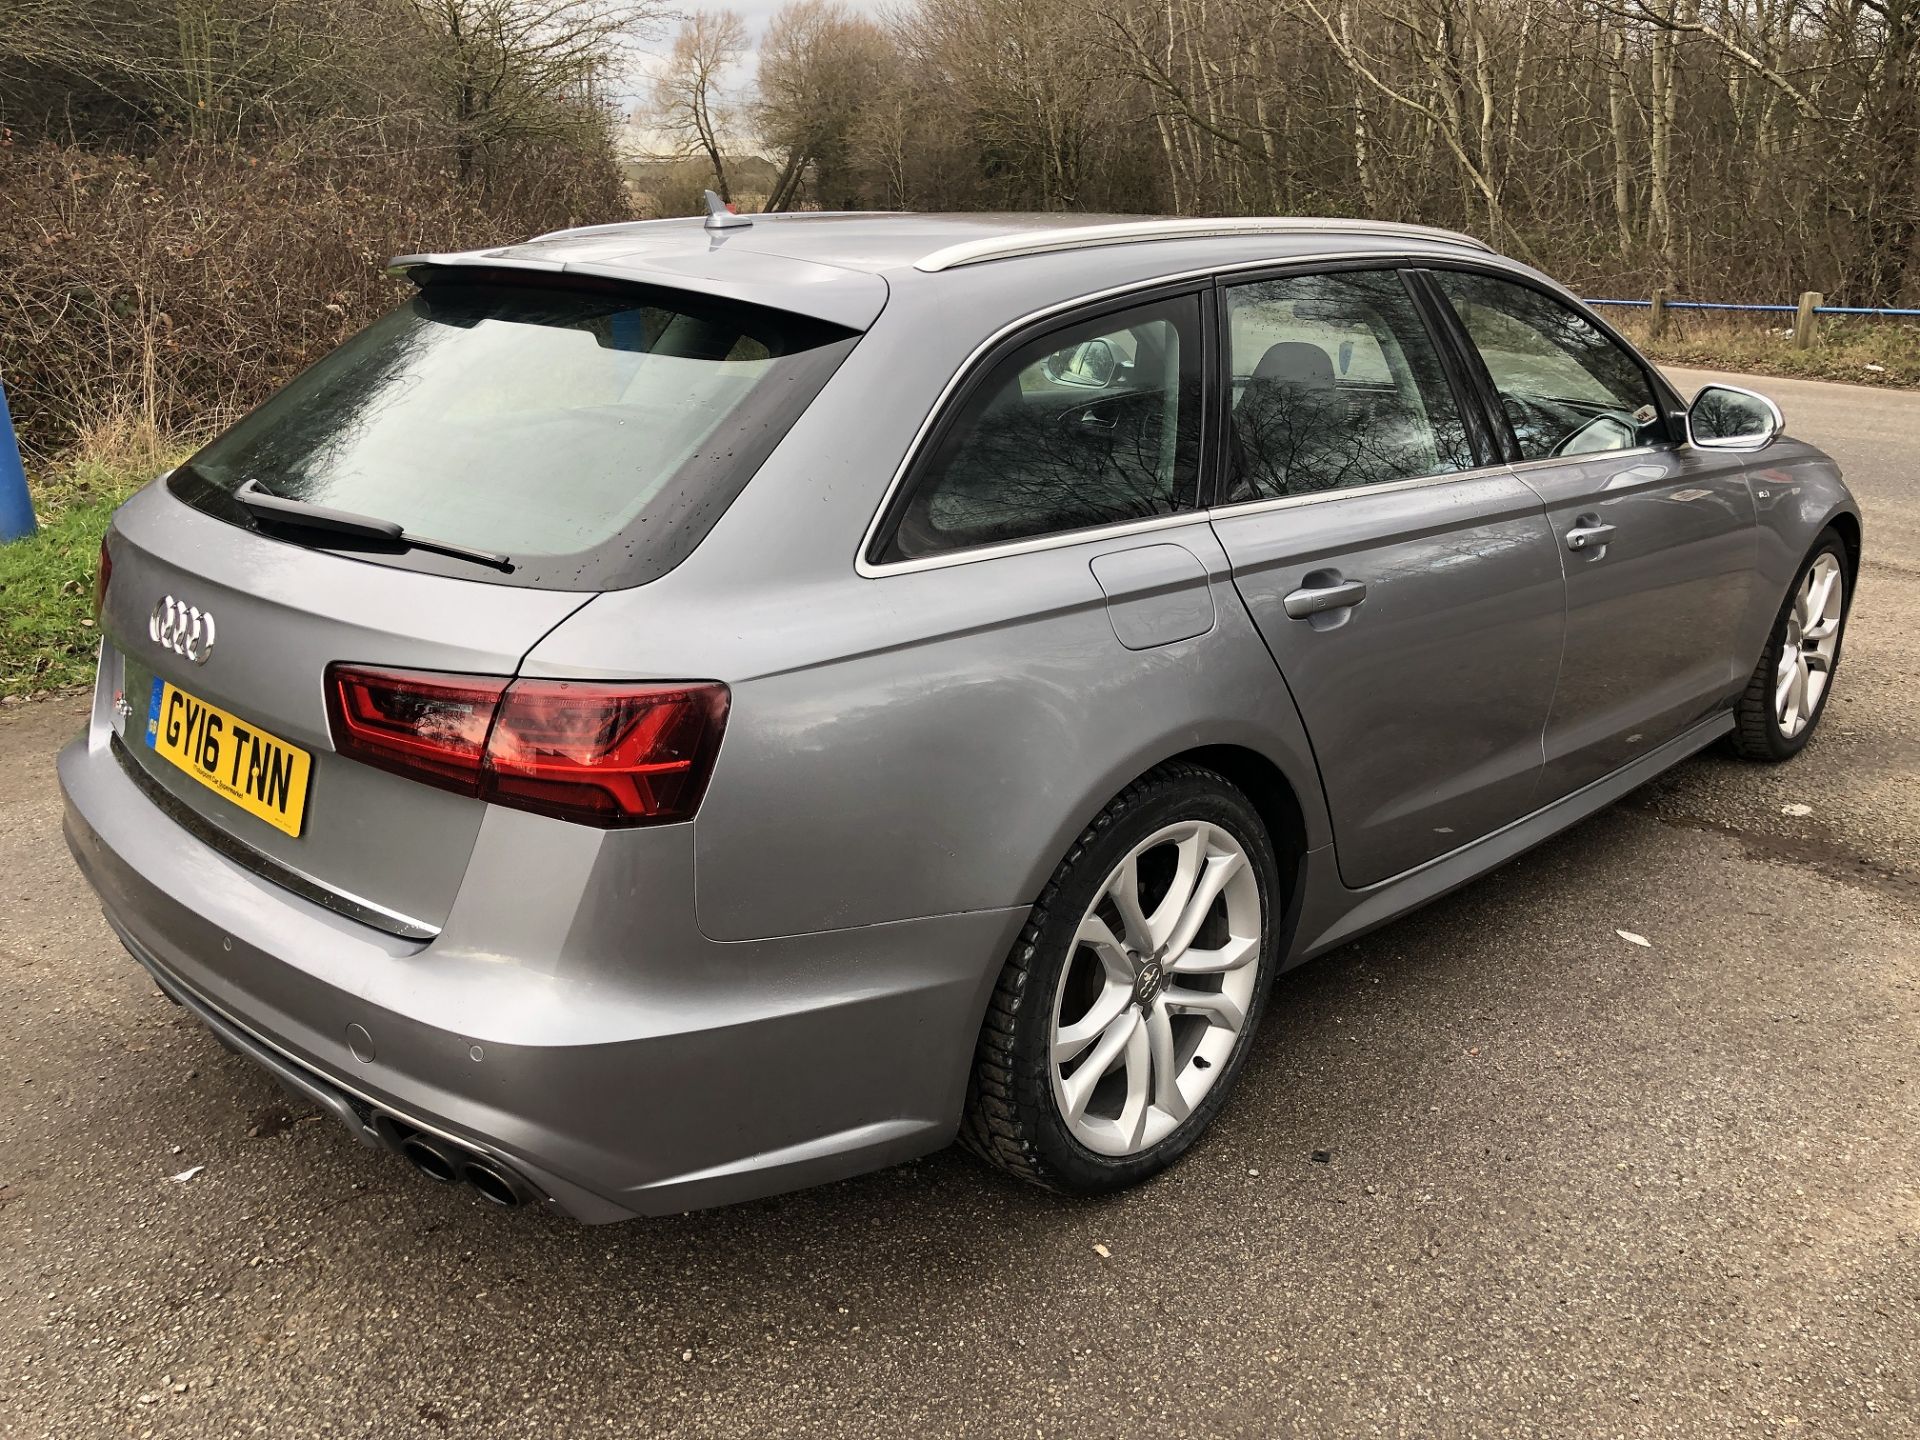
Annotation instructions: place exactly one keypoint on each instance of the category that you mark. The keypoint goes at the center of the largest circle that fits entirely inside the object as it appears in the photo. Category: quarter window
(1095, 423)
(1566, 386)
(1336, 383)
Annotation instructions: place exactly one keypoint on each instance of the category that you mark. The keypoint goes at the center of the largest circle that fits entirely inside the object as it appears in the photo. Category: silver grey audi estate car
(680, 711)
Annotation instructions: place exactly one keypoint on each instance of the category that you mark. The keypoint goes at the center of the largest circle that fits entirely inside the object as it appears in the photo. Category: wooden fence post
(1657, 314)
(1805, 320)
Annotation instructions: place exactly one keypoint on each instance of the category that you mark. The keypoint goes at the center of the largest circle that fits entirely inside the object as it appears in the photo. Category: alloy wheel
(1155, 994)
(1808, 648)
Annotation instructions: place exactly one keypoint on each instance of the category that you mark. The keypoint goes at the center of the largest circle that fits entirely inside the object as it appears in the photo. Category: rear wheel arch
(1276, 800)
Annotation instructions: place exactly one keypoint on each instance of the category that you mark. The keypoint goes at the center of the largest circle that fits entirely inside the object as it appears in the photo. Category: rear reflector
(599, 754)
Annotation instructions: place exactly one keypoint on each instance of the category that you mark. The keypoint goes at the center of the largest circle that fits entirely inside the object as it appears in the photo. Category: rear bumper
(618, 1060)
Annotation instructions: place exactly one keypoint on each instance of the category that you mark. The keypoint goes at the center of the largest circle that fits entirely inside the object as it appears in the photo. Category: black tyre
(1119, 1026)
(1788, 691)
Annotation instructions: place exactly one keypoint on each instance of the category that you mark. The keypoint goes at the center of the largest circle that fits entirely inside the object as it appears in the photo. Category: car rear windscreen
(592, 435)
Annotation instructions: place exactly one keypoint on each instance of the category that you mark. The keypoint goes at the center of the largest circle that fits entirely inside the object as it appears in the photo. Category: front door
(1410, 594)
(1657, 538)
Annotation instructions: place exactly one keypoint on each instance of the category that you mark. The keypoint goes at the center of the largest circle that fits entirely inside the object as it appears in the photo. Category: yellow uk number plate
(234, 758)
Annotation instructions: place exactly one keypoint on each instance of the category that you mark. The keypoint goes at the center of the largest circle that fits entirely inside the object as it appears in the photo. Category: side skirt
(1334, 914)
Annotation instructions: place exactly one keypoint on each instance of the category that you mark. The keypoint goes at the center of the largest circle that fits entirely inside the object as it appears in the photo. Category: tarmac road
(1572, 1186)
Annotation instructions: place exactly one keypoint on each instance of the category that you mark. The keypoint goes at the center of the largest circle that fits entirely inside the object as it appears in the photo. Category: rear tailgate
(279, 613)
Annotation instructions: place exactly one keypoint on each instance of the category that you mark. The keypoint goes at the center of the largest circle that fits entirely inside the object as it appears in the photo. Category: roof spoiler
(851, 299)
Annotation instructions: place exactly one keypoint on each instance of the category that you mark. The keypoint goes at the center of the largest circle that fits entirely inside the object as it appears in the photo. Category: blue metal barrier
(16, 506)
(1763, 309)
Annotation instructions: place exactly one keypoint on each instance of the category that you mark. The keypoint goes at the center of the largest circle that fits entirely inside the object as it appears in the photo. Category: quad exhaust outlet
(447, 1163)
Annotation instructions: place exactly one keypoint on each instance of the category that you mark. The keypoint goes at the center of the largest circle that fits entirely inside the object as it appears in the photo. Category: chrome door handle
(1588, 537)
(1317, 600)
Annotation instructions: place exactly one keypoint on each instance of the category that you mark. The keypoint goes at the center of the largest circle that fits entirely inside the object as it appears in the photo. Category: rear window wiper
(263, 504)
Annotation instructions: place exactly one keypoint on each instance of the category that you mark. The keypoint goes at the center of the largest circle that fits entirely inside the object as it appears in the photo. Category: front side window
(1095, 423)
(1336, 383)
(1567, 387)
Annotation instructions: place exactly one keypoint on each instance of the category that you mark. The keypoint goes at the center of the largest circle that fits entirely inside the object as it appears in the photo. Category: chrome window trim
(1416, 482)
(1274, 265)
(1521, 467)
(1081, 237)
(1059, 540)
(1346, 492)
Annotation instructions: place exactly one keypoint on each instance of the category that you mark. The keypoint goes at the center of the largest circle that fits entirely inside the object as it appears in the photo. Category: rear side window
(591, 435)
(1567, 387)
(1336, 383)
(1095, 423)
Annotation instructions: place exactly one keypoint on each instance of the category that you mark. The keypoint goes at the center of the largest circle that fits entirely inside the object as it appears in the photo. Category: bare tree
(822, 69)
(1723, 146)
(689, 97)
(513, 70)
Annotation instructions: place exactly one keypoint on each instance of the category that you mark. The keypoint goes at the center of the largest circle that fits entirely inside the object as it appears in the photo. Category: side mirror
(1091, 363)
(1725, 417)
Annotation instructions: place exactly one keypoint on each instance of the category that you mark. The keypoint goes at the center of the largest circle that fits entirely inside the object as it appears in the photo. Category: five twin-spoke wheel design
(1155, 993)
(1787, 692)
(1125, 1011)
(1812, 639)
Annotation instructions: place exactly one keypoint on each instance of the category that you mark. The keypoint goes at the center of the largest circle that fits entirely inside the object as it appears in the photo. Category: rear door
(1657, 538)
(1406, 583)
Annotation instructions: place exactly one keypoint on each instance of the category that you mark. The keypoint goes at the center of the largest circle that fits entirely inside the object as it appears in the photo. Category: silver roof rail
(1080, 237)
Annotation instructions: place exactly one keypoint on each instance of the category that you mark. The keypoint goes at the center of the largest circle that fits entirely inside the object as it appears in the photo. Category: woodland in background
(197, 196)
(1725, 149)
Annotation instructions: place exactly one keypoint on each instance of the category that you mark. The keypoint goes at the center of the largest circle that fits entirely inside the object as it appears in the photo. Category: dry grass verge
(1862, 352)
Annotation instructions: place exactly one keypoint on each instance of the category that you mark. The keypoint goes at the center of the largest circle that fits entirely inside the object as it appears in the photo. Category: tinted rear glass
(593, 436)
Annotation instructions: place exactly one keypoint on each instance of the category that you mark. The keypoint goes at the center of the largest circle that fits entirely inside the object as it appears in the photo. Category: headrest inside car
(1295, 362)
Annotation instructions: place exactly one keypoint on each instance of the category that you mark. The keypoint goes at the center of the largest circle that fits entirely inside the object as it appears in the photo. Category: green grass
(47, 637)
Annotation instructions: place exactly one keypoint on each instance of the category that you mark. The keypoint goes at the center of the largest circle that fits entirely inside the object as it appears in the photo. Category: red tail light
(605, 754)
(598, 754)
(431, 728)
(101, 577)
